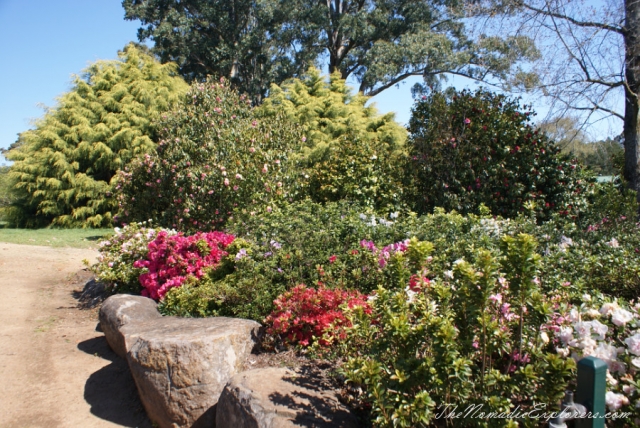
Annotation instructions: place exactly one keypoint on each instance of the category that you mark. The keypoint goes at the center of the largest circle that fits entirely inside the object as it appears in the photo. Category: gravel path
(56, 370)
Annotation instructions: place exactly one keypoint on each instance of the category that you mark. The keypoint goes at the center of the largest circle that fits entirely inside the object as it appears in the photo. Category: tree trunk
(632, 70)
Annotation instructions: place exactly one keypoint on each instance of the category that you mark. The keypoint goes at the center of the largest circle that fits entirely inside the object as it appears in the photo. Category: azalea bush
(305, 315)
(119, 253)
(214, 156)
(468, 337)
(172, 259)
(606, 329)
(468, 149)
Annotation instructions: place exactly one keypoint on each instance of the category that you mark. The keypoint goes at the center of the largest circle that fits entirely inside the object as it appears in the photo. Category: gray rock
(280, 398)
(121, 310)
(181, 365)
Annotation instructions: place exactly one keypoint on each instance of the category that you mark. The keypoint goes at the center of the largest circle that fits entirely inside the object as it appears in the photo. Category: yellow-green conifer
(63, 168)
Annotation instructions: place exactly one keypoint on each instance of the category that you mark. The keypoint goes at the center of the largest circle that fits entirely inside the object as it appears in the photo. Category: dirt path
(56, 370)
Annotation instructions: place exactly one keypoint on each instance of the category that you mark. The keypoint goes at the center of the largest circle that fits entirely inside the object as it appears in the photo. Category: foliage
(380, 42)
(238, 39)
(349, 150)
(172, 259)
(119, 253)
(6, 196)
(478, 148)
(327, 110)
(471, 338)
(305, 315)
(214, 155)
(63, 169)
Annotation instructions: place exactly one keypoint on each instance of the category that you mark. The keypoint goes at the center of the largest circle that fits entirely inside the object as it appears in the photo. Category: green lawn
(77, 238)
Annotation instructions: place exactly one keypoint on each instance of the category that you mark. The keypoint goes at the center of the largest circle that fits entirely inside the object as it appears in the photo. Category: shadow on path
(111, 391)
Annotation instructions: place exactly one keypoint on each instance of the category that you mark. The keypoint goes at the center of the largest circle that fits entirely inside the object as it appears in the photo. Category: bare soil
(56, 370)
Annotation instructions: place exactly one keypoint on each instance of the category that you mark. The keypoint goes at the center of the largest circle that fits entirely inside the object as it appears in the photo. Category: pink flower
(467, 121)
(226, 181)
(333, 258)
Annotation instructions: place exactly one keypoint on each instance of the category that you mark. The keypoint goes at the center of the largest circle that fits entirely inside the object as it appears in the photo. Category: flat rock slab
(280, 398)
(120, 310)
(181, 365)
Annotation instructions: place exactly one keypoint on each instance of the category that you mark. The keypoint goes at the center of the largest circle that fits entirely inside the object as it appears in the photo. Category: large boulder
(280, 398)
(117, 314)
(181, 365)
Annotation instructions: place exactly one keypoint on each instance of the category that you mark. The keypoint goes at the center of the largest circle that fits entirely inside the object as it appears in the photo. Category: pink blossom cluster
(172, 259)
(385, 253)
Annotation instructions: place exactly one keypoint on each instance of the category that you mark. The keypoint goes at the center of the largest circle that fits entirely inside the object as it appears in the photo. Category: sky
(44, 42)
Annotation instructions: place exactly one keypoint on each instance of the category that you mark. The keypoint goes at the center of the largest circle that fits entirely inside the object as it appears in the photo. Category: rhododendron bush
(171, 260)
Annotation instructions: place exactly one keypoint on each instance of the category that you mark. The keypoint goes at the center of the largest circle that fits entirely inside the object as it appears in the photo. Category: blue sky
(44, 42)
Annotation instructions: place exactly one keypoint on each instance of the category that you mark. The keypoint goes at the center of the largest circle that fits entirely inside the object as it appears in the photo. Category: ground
(56, 370)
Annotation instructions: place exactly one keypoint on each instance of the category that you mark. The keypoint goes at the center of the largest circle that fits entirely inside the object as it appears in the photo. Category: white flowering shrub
(115, 266)
(608, 330)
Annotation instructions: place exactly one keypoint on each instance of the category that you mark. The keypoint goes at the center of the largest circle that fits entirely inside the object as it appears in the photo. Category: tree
(380, 42)
(592, 61)
(63, 169)
(236, 39)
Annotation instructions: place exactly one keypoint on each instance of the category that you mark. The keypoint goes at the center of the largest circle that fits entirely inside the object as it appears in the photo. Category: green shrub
(472, 338)
(350, 152)
(468, 149)
(214, 156)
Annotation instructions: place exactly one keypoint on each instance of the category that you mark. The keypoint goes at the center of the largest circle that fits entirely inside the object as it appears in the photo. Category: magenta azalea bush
(171, 260)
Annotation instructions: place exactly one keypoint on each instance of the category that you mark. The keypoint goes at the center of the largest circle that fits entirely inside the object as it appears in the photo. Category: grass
(76, 238)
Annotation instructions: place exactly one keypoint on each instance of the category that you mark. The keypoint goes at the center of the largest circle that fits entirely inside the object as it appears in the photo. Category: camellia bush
(214, 155)
(468, 149)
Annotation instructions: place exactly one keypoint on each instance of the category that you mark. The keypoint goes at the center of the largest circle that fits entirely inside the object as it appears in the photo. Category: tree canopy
(63, 168)
(380, 42)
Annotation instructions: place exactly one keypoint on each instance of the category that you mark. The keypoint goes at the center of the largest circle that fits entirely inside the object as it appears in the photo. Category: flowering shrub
(470, 336)
(472, 148)
(303, 315)
(607, 330)
(172, 259)
(115, 266)
(214, 156)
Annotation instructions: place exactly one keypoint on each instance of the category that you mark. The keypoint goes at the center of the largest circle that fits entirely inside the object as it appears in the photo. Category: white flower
(574, 315)
(457, 262)
(586, 297)
(633, 343)
(611, 380)
(607, 308)
(363, 217)
(411, 295)
(563, 352)
(636, 362)
(583, 329)
(448, 274)
(566, 334)
(545, 337)
(613, 243)
(615, 401)
(592, 313)
(599, 329)
(393, 215)
(607, 353)
(621, 316)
